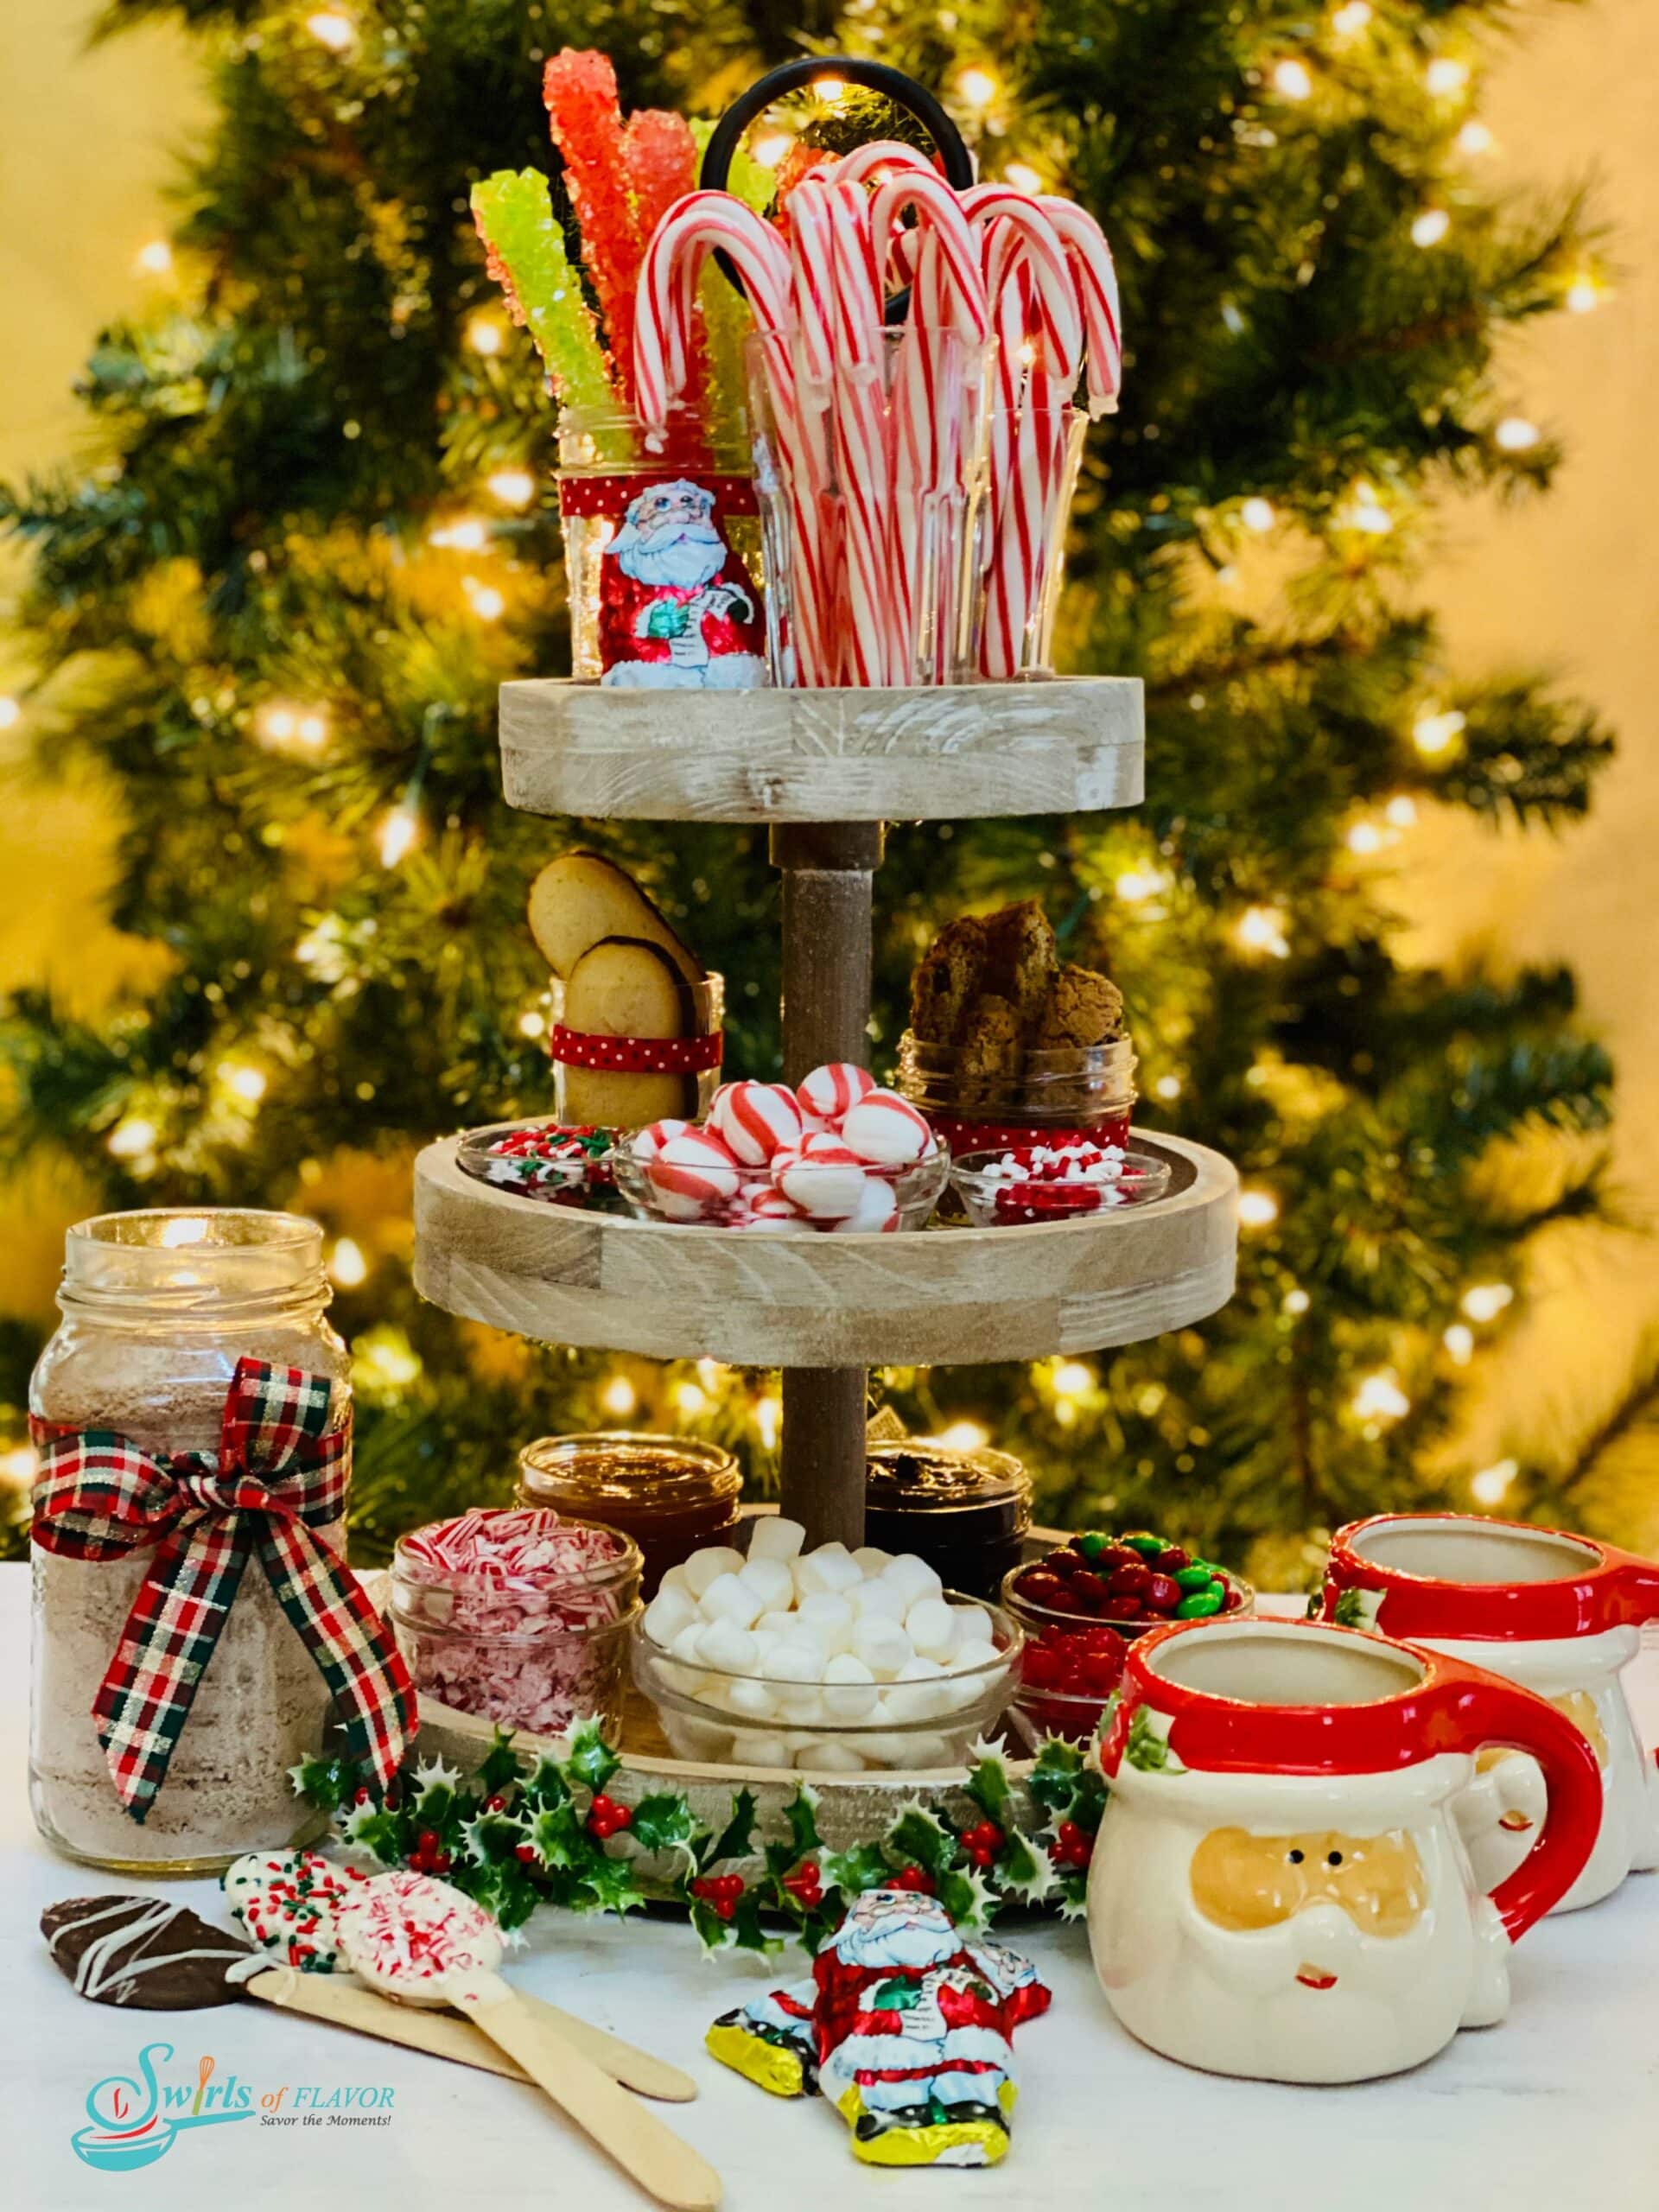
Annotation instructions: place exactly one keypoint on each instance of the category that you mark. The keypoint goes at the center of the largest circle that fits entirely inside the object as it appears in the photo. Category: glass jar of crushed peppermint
(517, 1616)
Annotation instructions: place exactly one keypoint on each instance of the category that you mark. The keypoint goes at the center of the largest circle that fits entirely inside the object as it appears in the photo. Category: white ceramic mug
(1560, 1615)
(1279, 1888)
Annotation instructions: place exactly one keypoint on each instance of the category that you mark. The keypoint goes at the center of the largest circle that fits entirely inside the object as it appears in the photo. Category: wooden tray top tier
(923, 1298)
(1052, 745)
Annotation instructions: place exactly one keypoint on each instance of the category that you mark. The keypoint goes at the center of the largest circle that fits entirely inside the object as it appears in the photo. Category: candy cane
(1096, 283)
(947, 326)
(863, 474)
(668, 281)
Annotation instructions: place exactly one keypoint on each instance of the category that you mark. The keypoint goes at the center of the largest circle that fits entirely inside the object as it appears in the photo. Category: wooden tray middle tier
(1050, 744)
(943, 1297)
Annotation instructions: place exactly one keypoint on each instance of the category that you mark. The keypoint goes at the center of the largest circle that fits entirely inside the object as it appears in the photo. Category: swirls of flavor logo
(134, 2120)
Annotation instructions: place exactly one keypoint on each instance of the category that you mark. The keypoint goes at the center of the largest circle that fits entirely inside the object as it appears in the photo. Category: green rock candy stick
(514, 214)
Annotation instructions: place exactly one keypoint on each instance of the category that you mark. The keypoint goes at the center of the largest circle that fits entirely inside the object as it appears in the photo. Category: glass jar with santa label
(662, 548)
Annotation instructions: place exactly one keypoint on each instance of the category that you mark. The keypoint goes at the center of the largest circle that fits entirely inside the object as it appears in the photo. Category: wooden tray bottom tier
(1057, 745)
(947, 1297)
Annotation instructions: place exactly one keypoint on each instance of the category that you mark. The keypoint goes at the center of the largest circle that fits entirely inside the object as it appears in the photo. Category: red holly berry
(1073, 1846)
(912, 1877)
(361, 1796)
(805, 1884)
(525, 1853)
(426, 1841)
(721, 1892)
(496, 1804)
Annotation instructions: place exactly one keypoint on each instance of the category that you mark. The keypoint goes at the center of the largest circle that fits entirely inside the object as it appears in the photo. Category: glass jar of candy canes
(159, 1309)
(517, 1616)
(661, 551)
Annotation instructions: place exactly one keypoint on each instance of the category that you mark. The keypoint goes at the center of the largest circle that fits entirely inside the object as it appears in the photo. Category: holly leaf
(801, 1813)
(967, 1896)
(1023, 1870)
(1073, 1893)
(918, 1835)
(545, 1781)
(556, 1835)
(864, 1867)
(1146, 1748)
(746, 1932)
(372, 1828)
(500, 1765)
(611, 1885)
(713, 1933)
(1053, 1778)
(432, 1789)
(736, 1839)
(664, 1822)
(988, 1785)
(505, 1892)
(592, 1761)
(328, 1783)
(1349, 1611)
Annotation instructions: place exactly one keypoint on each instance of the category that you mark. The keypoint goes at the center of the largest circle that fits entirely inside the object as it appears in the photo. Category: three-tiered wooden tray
(825, 769)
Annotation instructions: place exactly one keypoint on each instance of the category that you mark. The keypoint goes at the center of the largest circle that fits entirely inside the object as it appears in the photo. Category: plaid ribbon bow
(275, 1477)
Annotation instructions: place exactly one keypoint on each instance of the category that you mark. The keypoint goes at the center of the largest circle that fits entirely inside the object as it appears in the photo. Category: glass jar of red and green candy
(1128, 1582)
(1066, 1677)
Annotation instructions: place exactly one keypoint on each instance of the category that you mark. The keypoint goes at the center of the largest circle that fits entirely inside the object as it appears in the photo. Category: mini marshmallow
(849, 1688)
(724, 1645)
(882, 1644)
(877, 1600)
(669, 1611)
(914, 1694)
(830, 1567)
(771, 1581)
(687, 1642)
(728, 1598)
(871, 1559)
(775, 1537)
(779, 1622)
(752, 1699)
(676, 1580)
(882, 1750)
(797, 1663)
(933, 1629)
(913, 1576)
(705, 1567)
(975, 1651)
(802, 1701)
(829, 1758)
(751, 1748)
(827, 1619)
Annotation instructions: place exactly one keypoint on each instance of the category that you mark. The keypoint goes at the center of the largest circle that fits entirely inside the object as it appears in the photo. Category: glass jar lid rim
(642, 1463)
(950, 1475)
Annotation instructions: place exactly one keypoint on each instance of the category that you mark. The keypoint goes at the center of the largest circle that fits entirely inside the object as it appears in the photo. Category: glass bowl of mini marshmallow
(829, 1661)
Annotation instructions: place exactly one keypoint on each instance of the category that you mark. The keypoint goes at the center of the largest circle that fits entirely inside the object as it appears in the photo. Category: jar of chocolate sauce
(964, 1512)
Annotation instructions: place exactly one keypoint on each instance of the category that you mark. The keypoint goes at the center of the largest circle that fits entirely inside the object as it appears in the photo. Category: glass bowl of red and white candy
(1032, 1183)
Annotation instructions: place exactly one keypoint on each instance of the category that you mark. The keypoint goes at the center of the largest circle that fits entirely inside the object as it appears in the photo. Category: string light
(1446, 78)
(398, 832)
(829, 89)
(1296, 1302)
(769, 1422)
(1023, 177)
(1261, 928)
(1491, 1485)
(619, 1397)
(1582, 295)
(1366, 512)
(1484, 1301)
(485, 334)
(1072, 1379)
(1380, 1398)
(386, 1359)
(1459, 1342)
(532, 1022)
(332, 29)
(771, 149)
(1364, 838)
(514, 487)
(1292, 80)
(1167, 1087)
(347, 1266)
(131, 1139)
(965, 1436)
(977, 88)
(154, 259)
(1400, 812)
(1257, 1209)
(466, 534)
(689, 1399)
(1437, 731)
(248, 1084)
(286, 727)
(1475, 137)
(1258, 515)
(1516, 434)
(1430, 227)
(1138, 883)
(19, 1467)
(11, 712)
(486, 601)
(1350, 20)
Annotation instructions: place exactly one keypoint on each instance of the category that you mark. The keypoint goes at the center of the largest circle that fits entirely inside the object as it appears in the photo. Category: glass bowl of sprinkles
(1034, 1183)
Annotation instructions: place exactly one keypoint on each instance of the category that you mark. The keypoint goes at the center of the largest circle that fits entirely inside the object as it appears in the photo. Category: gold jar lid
(619, 1468)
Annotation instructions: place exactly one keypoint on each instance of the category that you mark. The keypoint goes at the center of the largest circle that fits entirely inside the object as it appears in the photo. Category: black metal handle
(874, 77)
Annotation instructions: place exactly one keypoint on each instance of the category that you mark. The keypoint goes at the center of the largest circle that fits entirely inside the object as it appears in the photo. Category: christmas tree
(322, 530)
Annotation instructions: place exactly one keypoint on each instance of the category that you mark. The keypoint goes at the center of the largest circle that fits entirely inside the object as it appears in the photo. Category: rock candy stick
(527, 258)
(586, 122)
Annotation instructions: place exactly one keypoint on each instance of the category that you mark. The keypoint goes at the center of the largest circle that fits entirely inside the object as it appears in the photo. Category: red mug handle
(1487, 1710)
(1639, 1585)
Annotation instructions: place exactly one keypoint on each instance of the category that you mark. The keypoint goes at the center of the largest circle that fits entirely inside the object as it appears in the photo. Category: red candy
(1066, 1676)
(1132, 1581)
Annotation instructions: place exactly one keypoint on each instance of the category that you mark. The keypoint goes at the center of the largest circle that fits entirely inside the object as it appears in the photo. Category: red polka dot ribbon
(1003, 1136)
(610, 495)
(579, 1048)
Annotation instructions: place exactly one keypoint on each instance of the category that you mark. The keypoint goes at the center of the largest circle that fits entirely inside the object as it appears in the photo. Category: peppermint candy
(885, 1129)
(756, 1120)
(830, 1090)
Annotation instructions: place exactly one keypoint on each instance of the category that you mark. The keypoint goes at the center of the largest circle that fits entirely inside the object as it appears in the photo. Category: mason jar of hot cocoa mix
(163, 1315)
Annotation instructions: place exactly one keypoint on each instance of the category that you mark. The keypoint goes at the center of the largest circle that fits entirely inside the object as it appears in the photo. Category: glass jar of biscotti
(965, 1511)
(672, 1495)
(158, 1308)
(1087, 1088)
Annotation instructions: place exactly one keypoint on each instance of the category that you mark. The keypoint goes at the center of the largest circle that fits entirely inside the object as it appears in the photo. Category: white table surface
(1556, 2106)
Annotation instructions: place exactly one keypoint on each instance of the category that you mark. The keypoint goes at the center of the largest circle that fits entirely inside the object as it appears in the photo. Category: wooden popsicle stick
(346, 2001)
(655, 2156)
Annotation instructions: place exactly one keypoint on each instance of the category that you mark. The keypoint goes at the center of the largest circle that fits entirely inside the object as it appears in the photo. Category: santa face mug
(1279, 1889)
(1560, 1615)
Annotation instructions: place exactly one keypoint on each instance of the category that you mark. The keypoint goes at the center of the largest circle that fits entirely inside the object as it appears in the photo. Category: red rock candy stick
(586, 122)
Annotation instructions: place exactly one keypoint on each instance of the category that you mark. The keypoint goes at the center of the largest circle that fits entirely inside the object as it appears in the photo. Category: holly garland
(529, 1832)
